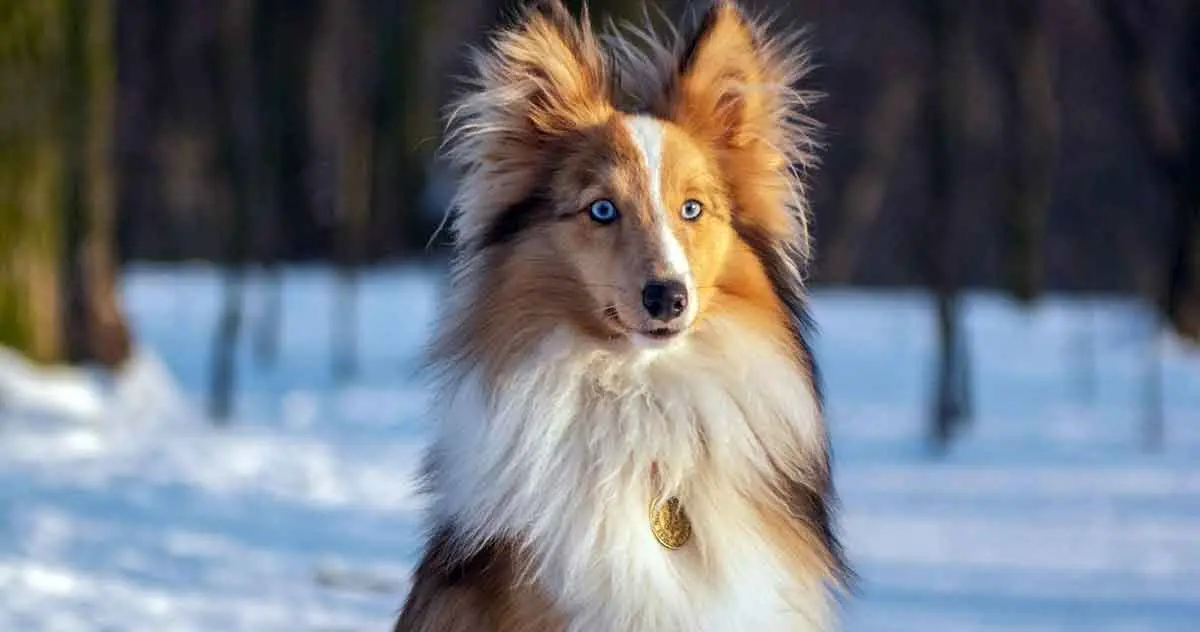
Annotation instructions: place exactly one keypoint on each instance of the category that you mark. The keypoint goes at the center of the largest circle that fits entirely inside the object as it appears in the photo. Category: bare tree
(235, 82)
(1183, 276)
(1029, 85)
(96, 330)
(341, 98)
(30, 175)
(1085, 353)
(1171, 141)
(283, 35)
(269, 327)
(58, 297)
(29, 195)
(940, 254)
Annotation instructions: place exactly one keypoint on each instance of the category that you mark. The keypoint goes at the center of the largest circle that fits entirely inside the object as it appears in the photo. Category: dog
(628, 429)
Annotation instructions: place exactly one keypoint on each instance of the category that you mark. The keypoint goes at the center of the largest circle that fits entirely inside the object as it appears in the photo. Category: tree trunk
(1030, 88)
(58, 297)
(94, 324)
(354, 187)
(30, 178)
(30, 305)
(403, 114)
(270, 320)
(282, 35)
(343, 75)
(1153, 428)
(235, 82)
(283, 41)
(1183, 273)
(1085, 353)
(940, 255)
(1172, 146)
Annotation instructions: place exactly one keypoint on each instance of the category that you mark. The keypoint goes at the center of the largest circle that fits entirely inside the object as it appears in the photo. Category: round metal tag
(669, 523)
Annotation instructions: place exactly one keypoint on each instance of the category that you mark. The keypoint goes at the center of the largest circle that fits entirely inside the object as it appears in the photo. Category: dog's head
(628, 186)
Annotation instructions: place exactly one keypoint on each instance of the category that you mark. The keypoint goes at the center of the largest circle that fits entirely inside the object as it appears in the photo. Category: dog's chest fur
(557, 455)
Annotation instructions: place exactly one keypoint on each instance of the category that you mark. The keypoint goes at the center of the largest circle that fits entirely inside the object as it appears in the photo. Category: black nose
(665, 299)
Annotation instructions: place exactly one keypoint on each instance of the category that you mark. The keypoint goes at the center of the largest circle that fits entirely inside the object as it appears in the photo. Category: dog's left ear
(723, 89)
(734, 87)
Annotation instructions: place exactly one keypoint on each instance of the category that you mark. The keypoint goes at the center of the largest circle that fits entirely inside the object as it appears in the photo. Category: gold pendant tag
(670, 523)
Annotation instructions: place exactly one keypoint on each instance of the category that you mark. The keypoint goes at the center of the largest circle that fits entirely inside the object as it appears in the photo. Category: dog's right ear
(720, 87)
(545, 74)
(539, 80)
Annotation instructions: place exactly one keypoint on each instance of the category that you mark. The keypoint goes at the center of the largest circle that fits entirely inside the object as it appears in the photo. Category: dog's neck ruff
(556, 455)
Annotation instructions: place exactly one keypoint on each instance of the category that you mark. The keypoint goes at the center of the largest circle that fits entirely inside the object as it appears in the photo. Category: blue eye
(603, 211)
(691, 210)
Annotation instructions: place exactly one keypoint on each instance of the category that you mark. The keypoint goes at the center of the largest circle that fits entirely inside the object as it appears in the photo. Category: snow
(49, 391)
(123, 509)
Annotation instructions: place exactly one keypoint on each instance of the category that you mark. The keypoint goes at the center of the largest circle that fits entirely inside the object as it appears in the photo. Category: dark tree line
(1057, 190)
(1021, 146)
(1029, 180)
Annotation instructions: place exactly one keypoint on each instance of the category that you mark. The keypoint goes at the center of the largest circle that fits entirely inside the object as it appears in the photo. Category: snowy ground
(122, 509)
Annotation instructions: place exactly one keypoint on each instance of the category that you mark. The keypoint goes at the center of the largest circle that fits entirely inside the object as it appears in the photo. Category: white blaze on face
(647, 133)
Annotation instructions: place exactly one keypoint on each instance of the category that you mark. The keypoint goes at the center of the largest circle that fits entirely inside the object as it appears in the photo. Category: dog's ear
(735, 87)
(546, 73)
(538, 81)
(723, 88)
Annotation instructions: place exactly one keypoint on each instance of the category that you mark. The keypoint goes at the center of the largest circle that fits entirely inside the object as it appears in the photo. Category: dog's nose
(665, 299)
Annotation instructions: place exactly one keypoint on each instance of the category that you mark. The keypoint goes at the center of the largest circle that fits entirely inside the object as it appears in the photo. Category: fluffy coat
(563, 416)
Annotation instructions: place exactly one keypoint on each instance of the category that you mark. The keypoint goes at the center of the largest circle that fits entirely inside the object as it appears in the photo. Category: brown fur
(482, 592)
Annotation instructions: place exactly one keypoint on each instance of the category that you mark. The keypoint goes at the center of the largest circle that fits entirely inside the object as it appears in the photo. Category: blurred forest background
(1023, 146)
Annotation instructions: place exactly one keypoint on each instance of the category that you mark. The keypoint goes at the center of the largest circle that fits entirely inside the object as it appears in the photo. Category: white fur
(647, 133)
(650, 344)
(557, 454)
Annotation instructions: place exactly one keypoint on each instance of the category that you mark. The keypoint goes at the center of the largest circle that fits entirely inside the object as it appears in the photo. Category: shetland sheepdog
(628, 428)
